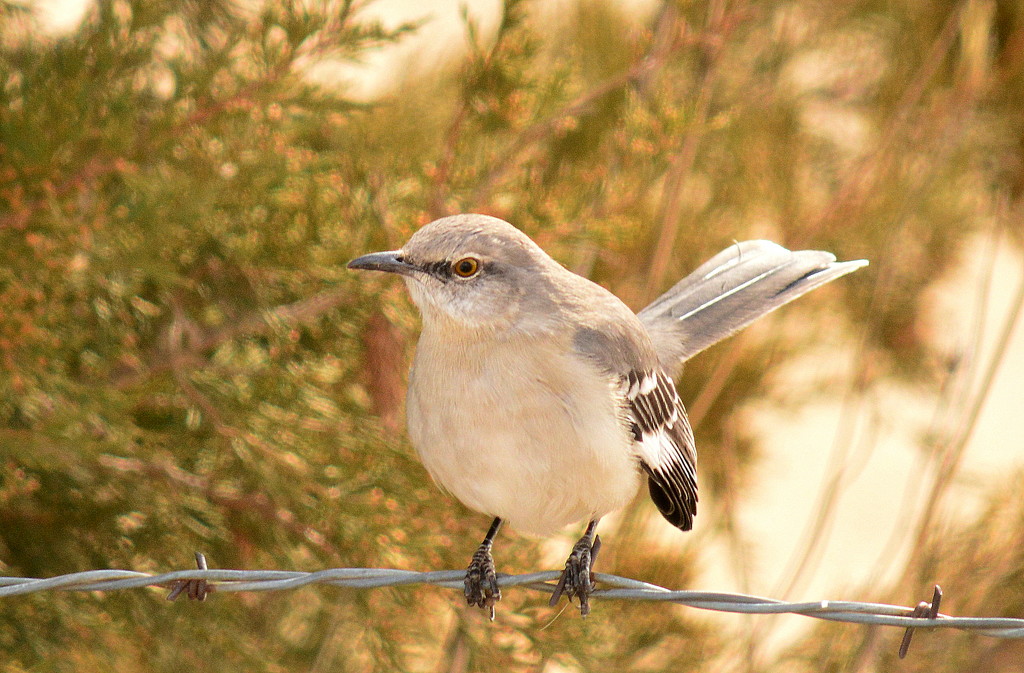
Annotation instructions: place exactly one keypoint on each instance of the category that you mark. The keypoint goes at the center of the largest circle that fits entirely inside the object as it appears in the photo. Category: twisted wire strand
(611, 587)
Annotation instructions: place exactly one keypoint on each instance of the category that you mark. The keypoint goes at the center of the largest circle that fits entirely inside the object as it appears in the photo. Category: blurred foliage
(186, 365)
(984, 562)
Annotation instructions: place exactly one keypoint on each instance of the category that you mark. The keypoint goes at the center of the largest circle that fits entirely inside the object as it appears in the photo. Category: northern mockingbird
(538, 398)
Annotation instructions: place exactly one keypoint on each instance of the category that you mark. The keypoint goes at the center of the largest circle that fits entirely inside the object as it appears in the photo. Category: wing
(664, 444)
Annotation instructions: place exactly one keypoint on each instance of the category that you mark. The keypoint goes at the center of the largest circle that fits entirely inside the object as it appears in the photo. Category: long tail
(731, 290)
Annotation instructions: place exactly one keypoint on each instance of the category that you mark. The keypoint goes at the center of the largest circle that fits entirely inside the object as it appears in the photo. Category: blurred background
(185, 363)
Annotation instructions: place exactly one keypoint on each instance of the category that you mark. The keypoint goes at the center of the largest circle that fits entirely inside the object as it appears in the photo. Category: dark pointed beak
(390, 261)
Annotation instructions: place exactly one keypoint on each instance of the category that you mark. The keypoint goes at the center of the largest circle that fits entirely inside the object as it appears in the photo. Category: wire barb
(197, 588)
(922, 611)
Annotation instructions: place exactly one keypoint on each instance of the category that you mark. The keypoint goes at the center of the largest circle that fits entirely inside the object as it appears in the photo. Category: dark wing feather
(664, 443)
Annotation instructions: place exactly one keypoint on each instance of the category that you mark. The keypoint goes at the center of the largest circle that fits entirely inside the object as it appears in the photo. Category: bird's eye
(466, 267)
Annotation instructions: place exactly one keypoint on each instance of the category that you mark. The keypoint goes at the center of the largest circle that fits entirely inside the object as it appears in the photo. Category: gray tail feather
(731, 290)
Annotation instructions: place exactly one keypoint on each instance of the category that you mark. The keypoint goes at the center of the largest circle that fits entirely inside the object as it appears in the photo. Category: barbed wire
(197, 583)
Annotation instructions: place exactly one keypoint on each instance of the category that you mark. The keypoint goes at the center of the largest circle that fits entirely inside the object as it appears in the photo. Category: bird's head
(474, 270)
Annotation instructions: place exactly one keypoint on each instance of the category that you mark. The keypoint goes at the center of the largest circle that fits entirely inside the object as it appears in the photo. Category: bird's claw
(482, 581)
(577, 580)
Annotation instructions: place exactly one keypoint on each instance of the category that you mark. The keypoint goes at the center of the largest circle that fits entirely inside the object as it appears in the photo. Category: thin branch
(861, 177)
(255, 324)
(953, 455)
(681, 164)
(258, 502)
(650, 62)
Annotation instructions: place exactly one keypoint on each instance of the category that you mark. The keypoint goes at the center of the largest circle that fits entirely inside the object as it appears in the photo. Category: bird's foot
(482, 580)
(577, 579)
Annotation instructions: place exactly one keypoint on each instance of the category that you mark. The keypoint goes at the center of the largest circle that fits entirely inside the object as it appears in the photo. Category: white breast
(498, 428)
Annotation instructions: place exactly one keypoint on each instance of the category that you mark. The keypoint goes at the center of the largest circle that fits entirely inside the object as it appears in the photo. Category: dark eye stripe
(443, 270)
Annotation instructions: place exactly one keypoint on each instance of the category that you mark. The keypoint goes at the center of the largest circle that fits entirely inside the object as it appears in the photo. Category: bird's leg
(481, 581)
(577, 579)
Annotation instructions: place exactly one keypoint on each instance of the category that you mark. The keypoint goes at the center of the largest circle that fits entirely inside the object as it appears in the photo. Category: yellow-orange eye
(466, 267)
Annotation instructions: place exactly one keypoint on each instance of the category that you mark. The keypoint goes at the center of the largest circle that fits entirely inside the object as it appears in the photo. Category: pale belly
(516, 446)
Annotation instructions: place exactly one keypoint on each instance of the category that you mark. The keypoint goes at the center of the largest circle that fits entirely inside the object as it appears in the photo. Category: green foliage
(186, 365)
